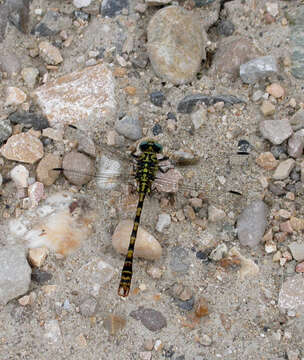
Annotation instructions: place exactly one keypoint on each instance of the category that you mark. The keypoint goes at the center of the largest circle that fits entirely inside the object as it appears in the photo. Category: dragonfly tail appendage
(126, 274)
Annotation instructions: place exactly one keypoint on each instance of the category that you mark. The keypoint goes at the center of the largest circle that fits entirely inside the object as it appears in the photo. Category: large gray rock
(15, 274)
(252, 223)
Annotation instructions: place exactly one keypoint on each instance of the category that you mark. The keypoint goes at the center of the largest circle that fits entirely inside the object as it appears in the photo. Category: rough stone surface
(276, 131)
(291, 295)
(175, 44)
(77, 97)
(15, 276)
(150, 318)
(258, 68)
(23, 147)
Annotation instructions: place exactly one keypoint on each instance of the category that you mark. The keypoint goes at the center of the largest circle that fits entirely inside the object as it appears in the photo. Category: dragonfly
(150, 170)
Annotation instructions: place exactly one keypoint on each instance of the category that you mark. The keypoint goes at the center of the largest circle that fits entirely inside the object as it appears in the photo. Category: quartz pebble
(78, 168)
(36, 193)
(276, 90)
(164, 221)
(14, 96)
(20, 175)
(296, 144)
(199, 117)
(49, 53)
(219, 252)
(37, 256)
(300, 267)
(251, 223)
(146, 245)
(23, 147)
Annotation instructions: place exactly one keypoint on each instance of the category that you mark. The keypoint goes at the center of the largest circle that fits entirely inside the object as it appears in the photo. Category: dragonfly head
(150, 145)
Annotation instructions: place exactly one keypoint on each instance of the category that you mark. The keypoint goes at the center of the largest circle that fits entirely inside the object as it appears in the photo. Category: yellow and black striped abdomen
(147, 166)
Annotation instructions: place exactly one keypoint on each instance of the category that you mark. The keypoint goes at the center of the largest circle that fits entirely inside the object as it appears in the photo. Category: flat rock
(176, 44)
(258, 68)
(79, 96)
(78, 168)
(276, 131)
(146, 245)
(15, 275)
(283, 170)
(23, 147)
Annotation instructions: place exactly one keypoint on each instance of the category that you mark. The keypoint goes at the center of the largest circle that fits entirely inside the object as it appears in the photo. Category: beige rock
(267, 108)
(248, 266)
(297, 224)
(267, 161)
(79, 96)
(37, 256)
(49, 53)
(44, 171)
(276, 90)
(14, 96)
(146, 245)
(23, 147)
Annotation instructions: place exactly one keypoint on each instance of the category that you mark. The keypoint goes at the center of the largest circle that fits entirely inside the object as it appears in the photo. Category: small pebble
(276, 131)
(201, 307)
(114, 323)
(164, 221)
(283, 170)
(154, 271)
(270, 247)
(157, 98)
(37, 256)
(30, 75)
(151, 319)
(205, 340)
(286, 227)
(146, 245)
(44, 171)
(297, 223)
(219, 252)
(297, 250)
(14, 96)
(300, 267)
(49, 53)
(276, 90)
(20, 175)
(129, 127)
(199, 117)
(78, 168)
(215, 214)
(267, 108)
(267, 161)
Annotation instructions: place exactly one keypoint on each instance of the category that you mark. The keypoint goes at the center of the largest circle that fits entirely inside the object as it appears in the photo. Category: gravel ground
(220, 275)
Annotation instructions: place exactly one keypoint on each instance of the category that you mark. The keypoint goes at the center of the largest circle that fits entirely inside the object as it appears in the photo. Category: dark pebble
(51, 24)
(299, 188)
(150, 318)
(277, 150)
(244, 147)
(295, 174)
(112, 8)
(203, 255)
(185, 305)
(157, 98)
(157, 129)
(78, 14)
(37, 121)
(276, 189)
(187, 104)
(226, 28)
(40, 276)
(290, 188)
(171, 116)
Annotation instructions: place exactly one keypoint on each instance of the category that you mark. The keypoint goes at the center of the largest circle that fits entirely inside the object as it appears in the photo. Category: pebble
(81, 3)
(157, 98)
(92, 85)
(226, 27)
(46, 164)
(272, 8)
(49, 53)
(29, 119)
(154, 271)
(297, 223)
(52, 332)
(15, 275)
(276, 90)
(78, 168)
(10, 64)
(232, 53)
(176, 44)
(23, 147)
(20, 175)
(291, 296)
(37, 256)
(53, 134)
(199, 117)
(286, 227)
(145, 355)
(267, 108)
(276, 131)
(283, 170)
(40, 276)
(5, 130)
(151, 319)
(270, 247)
(51, 24)
(114, 323)
(296, 144)
(179, 260)
(146, 245)
(248, 267)
(251, 223)
(201, 307)
(257, 95)
(88, 306)
(300, 267)
(219, 252)
(297, 120)
(36, 193)
(14, 96)
(30, 75)
(205, 340)
(164, 221)
(215, 214)
(112, 8)
(277, 256)
(258, 68)
(129, 127)
(267, 161)
(297, 250)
